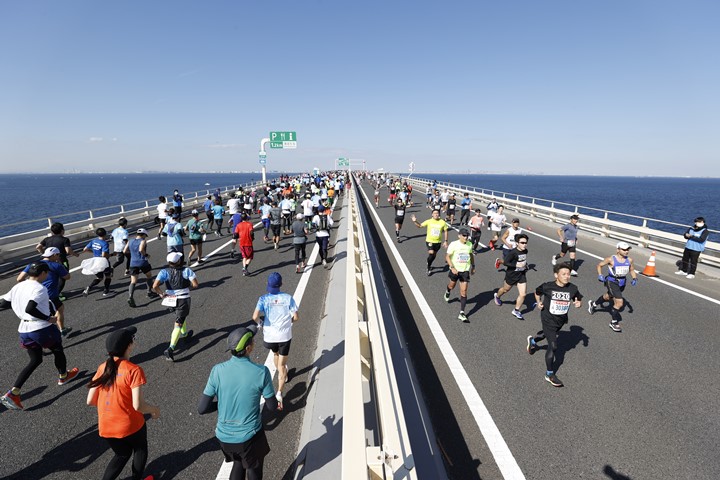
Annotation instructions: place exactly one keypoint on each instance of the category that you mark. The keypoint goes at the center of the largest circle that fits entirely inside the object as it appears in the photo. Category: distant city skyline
(563, 87)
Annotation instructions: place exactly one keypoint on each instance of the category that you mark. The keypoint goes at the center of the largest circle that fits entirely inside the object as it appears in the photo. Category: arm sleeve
(207, 404)
(32, 309)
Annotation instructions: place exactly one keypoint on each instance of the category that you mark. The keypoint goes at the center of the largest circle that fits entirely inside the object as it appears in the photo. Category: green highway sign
(343, 162)
(283, 139)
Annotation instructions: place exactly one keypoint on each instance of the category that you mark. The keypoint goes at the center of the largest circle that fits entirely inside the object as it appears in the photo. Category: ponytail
(107, 379)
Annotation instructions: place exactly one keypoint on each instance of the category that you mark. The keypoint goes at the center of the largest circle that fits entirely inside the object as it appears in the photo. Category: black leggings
(135, 446)
(689, 261)
(36, 358)
(121, 257)
(299, 253)
(239, 472)
(549, 332)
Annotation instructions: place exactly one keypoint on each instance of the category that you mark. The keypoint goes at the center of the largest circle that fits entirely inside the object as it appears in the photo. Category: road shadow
(480, 300)
(73, 385)
(71, 456)
(610, 472)
(568, 340)
(172, 464)
(320, 451)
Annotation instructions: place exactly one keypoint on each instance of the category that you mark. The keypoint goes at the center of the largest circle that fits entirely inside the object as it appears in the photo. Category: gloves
(601, 278)
(634, 282)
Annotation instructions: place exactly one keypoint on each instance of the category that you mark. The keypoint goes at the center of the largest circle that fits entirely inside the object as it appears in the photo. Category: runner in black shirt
(553, 300)
(399, 217)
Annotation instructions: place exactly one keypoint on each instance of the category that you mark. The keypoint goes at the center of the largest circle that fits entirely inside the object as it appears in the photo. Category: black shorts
(463, 277)
(145, 268)
(275, 230)
(57, 303)
(199, 241)
(512, 278)
(434, 246)
(235, 236)
(108, 272)
(181, 309)
(564, 248)
(399, 220)
(614, 289)
(250, 453)
(281, 348)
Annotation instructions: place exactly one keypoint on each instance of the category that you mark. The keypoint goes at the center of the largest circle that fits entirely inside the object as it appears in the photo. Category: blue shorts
(47, 337)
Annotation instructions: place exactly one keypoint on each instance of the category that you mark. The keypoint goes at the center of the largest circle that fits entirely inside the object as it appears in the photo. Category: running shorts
(281, 348)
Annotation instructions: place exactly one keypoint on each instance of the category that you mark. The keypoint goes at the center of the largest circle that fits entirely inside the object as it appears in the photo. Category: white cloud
(226, 145)
(95, 139)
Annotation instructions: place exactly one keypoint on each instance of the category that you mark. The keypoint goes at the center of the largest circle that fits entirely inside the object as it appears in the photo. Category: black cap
(239, 338)
(117, 342)
(37, 269)
(464, 231)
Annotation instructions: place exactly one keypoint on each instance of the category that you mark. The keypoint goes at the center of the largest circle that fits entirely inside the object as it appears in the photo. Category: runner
(174, 231)
(300, 232)
(275, 223)
(435, 228)
(465, 208)
(218, 212)
(323, 222)
(476, 223)
(399, 217)
(177, 202)
(246, 236)
(619, 266)
(450, 210)
(265, 209)
(116, 391)
(461, 261)
(279, 312)
(553, 299)
(286, 208)
(178, 281)
(508, 237)
(234, 221)
(162, 210)
(62, 243)
(208, 209)
(57, 273)
(515, 268)
(120, 239)
(492, 207)
(568, 238)
(497, 222)
(239, 384)
(136, 249)
(196, 232)
(99, 264)
(31, 303)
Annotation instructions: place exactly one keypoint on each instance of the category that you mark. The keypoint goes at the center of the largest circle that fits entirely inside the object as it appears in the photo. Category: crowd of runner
(294, 207)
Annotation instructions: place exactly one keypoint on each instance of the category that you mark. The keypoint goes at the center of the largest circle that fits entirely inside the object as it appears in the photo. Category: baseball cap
(623, 246)
(174, 257)
(141, 231)
(240, 337)
(194, 212)
(50, 251)
(464, 231)
(274, 283)
(37, 269)
(117, 342)
(321, 208)
(515, 220)
(299, 216)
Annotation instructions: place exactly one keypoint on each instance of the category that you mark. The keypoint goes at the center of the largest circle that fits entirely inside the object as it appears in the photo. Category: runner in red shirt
(244, 231)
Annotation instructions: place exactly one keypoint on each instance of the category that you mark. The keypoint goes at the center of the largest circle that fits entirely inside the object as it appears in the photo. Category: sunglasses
(522, 243)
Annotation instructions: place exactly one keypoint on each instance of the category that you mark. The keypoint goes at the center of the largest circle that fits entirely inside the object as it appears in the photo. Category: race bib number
(400, 213)
(451, 207)
(169, 301)
(570, 243)
(247, 206)
(462, 259)
(622, 270)
(435, 232)
(559, 307)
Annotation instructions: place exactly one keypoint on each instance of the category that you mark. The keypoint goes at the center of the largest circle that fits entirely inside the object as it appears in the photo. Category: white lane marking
(501, 453)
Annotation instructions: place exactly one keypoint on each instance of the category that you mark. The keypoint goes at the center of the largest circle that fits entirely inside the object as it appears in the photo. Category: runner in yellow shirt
(435, 230)
(461, 261)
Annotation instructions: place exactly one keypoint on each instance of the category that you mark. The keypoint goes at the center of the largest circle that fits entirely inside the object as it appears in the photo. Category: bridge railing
(368, 374)
(82, 224)
(643, 231)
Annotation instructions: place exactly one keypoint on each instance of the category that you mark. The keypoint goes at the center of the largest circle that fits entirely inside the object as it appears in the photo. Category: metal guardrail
(621, 226)
(81, 225)
(368, 362)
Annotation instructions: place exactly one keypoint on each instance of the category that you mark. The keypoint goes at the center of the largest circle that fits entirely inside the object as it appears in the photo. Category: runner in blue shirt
(100, 265)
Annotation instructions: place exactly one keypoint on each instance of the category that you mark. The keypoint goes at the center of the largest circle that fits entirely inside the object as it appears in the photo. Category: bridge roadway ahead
(639, 404)
(57, 432)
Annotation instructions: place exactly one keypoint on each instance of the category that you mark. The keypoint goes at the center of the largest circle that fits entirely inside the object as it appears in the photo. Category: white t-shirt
(162, 209)
(511, 237)
(322, 233)
(120, 236)
(233, 206)
(19, 297)
(278, 310)
(307, 205)
(497, 220)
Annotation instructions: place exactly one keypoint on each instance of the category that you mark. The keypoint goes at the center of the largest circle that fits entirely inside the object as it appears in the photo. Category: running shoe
(279, 398)
(680, 272)
(447, 296)
(492, 246)
(615, 327)
(244, 272)
(69, 376)
(200, 261)
(298, 269)
(86, 292)
(276, 246)
(463, 317)
(168, 354)
(65, 331)
(127, 273)
(553, 261)
(553, 380)
(62, 297)
(573, 273)
(106, 293)
(498, 302)
(591, 307)
(531, 349)
(232, 254)
(11, 401)
(188, 335)
(429, 271)
(497, 263)
(324, 262)
(516, 313)
(690, 276)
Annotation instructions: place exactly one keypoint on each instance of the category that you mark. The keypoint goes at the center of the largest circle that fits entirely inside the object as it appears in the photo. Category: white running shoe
(553, 261)
(690, 275)
(680, 272)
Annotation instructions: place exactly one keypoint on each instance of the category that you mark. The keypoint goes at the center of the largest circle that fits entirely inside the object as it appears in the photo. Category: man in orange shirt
(244, 231)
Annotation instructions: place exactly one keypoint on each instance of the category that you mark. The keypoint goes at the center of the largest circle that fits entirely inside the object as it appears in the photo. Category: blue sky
(542, 86)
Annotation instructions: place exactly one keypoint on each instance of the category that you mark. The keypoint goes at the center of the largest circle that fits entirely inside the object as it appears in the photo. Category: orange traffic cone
(650, 267)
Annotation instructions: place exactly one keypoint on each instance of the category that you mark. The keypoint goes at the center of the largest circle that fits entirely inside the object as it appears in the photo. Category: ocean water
(677, 200)
(42, 196)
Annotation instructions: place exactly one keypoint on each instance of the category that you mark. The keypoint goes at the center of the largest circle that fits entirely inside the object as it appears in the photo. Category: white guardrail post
(367, 359)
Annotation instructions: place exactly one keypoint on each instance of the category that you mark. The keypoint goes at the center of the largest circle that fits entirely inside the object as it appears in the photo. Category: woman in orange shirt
(115, 391)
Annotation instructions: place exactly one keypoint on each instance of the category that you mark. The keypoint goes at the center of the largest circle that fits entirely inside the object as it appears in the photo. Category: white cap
(141, 231)
(299, 216)
(194, 212)
(623, 246)
(50, 251)
(174, 257)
